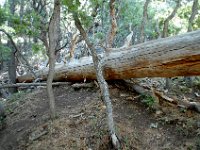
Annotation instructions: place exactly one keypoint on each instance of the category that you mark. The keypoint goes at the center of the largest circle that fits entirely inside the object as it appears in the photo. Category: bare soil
(81, 122)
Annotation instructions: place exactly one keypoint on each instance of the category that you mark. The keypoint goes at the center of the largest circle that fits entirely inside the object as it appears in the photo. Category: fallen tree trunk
(31, 84)
(166, 57)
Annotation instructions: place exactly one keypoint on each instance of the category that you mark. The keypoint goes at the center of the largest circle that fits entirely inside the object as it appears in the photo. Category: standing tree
(195, 6)
(193, 14)
(165, 31)
(53, 43)
(144, 19)
(113, 28)
(169, 18)
(12, 62)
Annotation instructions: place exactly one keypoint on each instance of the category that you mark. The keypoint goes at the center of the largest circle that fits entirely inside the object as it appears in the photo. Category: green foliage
(148, 100)
(86, 20)
(99, 35)
(131, 12)
(3, 16)
(28, 26)
(17, 96)
(184, 12)
(74, 6)
(196, 24)
(37, 48)
(4, 52)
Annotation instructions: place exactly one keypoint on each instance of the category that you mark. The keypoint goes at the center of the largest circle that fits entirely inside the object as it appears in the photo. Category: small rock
(154, 125)
(158, 112)
(124, 95)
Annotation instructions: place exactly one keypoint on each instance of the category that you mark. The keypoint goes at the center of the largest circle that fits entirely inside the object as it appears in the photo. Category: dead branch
(31, 84)
(83, 85)
(38, 136)
(158, 95)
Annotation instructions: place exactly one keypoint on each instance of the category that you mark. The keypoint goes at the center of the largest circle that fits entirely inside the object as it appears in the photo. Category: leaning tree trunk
(97, 60)
(165, 57)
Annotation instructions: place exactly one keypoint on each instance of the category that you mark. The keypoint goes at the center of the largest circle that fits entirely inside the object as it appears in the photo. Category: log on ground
(166, 57)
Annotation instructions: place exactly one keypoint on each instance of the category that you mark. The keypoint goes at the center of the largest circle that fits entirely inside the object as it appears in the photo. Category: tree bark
(195, 6)
(53, 41)
(165, 57)
(30, 84)
(73, 45)
(193, 14)
(12, 62)
(165, 32)
(144, 19)
(113, 28)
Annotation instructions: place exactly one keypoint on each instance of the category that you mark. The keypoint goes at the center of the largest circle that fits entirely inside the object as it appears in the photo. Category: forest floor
(81, 122)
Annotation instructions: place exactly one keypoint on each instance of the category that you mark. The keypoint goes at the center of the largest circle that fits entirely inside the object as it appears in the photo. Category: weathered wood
(83, 85)
(31, 84)
(166, 57)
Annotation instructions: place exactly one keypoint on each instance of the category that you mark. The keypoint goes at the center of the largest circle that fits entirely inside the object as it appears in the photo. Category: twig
(76, 116)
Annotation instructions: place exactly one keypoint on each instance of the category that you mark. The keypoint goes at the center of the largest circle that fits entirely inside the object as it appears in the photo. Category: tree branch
(170, 17)
(17, 51)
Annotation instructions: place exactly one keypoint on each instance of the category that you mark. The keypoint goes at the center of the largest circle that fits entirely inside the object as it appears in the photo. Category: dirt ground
(81, 122)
